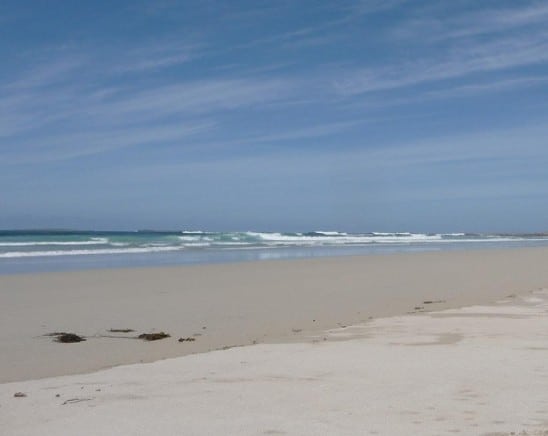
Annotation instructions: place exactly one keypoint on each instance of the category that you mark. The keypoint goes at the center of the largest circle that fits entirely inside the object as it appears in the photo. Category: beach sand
(479, 370)
(236, 304)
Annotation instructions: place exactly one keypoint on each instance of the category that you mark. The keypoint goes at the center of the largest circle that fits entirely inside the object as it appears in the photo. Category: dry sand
(236, 304)
(478, 370)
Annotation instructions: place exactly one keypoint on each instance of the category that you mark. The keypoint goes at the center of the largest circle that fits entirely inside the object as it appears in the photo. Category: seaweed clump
(153, 336)
(67, 338)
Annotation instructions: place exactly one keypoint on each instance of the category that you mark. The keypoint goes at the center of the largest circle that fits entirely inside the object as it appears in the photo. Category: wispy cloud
(496, 20)
(193, 97)
(72, 145)
(493, 146)
(365, 7)
(475, 89)
(28, 108)
(325, 32)
(47, 73)
(253, 142)
(72, 106)
(74, 96)
(287, 37)
(313, 41)
(434, 25)
(491, 162)
(501, 54)
(456, 46)
(155, 57)
(314, 131)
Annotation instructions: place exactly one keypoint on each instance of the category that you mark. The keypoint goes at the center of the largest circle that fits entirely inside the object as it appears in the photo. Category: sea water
(60, 250)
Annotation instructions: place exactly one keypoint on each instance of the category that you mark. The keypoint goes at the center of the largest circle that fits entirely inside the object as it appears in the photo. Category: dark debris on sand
(153, 336)
(66, 338)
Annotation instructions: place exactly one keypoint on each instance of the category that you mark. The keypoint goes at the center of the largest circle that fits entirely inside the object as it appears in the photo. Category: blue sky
(356, 115)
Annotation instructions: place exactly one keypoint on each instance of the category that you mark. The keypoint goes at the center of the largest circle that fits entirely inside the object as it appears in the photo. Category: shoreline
(168, 259)
(273, 301)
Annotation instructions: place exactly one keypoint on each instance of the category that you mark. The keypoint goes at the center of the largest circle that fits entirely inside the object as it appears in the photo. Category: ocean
(62, 250)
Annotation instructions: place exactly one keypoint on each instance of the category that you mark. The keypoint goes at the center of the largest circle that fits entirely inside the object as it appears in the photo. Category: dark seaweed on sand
(153, 336)
(66, 338)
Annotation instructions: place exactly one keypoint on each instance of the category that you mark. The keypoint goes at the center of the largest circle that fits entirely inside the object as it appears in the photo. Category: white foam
(329, 233)
(336, 238)
(242, 240)
(93, 241)
(17, 254)
(198, 244)
(192, 238)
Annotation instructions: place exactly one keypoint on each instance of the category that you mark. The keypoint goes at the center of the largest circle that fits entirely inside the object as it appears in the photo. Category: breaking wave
(15, 244)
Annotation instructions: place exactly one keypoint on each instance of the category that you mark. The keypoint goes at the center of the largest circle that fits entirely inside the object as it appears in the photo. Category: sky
(350, 115)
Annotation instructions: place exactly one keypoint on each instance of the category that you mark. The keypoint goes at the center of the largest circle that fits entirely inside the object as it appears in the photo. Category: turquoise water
(39, 250)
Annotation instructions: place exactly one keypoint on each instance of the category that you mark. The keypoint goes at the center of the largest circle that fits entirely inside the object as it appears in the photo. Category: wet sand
(237, 304)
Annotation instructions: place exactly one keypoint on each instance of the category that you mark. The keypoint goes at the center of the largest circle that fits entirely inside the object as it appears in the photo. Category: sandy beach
(477, 370)
(273, 218)
(227, 305)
